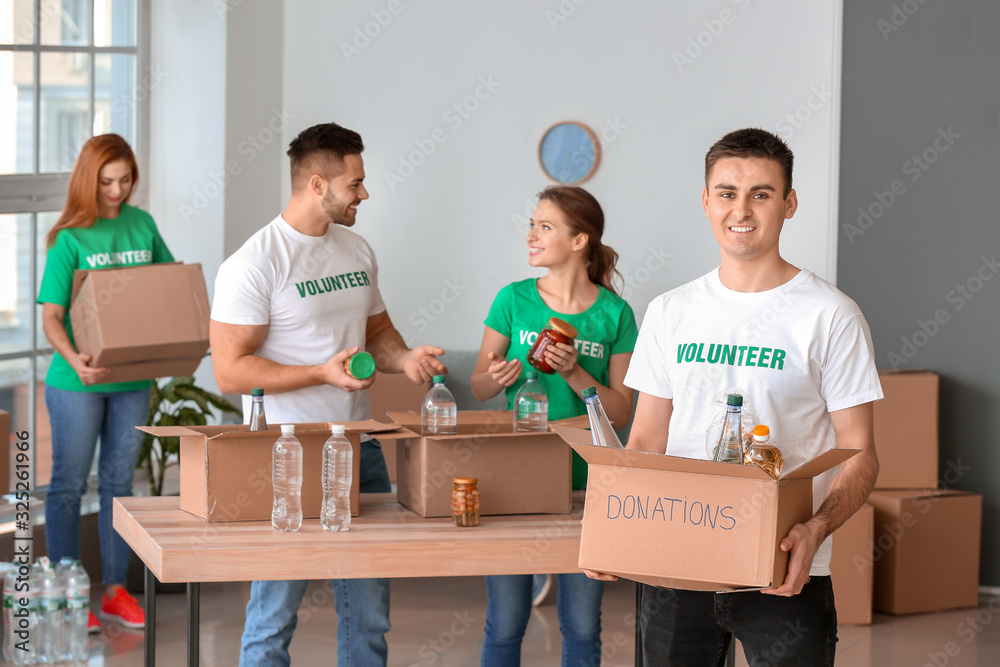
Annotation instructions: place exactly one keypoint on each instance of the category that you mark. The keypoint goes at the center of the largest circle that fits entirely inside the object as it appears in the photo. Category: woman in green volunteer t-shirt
(97, 229)
(565, 239)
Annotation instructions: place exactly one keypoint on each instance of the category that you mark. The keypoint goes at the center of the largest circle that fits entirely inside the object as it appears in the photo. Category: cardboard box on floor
(906, 430)
(142, 322)
(394, 392)
(519, 473)
(926, 551)
(226, 470)
(851, 568)
(687, 523)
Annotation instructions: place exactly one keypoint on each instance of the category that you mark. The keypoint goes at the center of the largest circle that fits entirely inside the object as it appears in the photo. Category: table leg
(194, 608)
(638, 632)
(150, 641)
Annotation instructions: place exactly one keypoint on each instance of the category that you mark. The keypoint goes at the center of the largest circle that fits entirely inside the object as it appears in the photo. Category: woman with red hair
(97, 229)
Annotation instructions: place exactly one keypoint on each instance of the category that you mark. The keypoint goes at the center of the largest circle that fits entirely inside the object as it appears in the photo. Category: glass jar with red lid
(556, 331)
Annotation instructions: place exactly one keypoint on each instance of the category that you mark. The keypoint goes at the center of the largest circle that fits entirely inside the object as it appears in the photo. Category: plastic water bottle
(51, 615)
(30, 656)
(77, 612)
(258, 422)
(601, 430)
(286, 477)
(9, 600)
(531, 406)
(730, 449)
(439, 414)
(338, 458)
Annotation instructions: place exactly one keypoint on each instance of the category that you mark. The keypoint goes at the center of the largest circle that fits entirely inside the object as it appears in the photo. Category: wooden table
(386, 540)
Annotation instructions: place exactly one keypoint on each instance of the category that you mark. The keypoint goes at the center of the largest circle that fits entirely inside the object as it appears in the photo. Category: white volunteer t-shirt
(799, 351)
(315, 294)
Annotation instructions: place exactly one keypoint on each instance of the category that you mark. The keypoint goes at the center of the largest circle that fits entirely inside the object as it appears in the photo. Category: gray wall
(921, 83)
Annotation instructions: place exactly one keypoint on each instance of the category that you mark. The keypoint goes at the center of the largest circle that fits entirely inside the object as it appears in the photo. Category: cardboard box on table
(519, 473)
(906, 430)
(851, 568)
(686, 523)
(926, 551)
(142, 322)
(226, 470)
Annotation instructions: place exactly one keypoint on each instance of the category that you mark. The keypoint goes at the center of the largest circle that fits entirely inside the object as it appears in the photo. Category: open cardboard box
(690, 524)
(226, 470)
(519, 473)
(142, 322)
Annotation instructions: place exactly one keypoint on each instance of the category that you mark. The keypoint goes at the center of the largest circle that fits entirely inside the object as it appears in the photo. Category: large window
(69, 70)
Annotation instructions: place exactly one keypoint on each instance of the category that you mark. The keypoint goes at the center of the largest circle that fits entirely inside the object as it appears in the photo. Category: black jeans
(693, 629)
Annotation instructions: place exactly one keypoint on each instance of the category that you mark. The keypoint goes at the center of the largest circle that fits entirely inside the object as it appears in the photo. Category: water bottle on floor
(77, 612)
(531, 406)
(439, 413)
(286, 477)
(51, 615)
(338, 458)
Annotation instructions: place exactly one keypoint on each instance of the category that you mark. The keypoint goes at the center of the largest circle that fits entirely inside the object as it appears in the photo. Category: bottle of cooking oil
(763, 453)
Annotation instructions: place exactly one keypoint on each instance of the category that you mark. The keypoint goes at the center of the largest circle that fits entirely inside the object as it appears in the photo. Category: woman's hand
(561, 357)
(503, 372)
(88, 375)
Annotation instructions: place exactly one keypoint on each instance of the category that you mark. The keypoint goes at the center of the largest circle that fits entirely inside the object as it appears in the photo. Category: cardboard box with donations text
(226, 469)
(687, 523)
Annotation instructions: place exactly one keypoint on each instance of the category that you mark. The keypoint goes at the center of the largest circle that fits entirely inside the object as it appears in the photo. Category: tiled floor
(440, 622)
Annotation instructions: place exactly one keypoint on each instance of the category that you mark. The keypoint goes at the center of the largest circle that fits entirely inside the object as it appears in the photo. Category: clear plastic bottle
(531, 406)
(338, 470)
(9, 600)
(51, 615)
(730, 448)
(258, 422)
(286, 477)
(77, 612)
(764, 453)
(601, 429)
(30, 656)
(439, 413)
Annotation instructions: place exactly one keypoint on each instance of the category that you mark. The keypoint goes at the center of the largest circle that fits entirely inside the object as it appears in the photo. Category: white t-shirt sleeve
(647, 370)
(849, 375)
(242, 294)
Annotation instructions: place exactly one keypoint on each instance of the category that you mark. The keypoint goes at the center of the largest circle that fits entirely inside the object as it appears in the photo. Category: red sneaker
(124, 609)
(93, 625)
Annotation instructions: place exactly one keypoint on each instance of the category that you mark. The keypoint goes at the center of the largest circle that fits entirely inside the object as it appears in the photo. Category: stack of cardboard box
(925, 547)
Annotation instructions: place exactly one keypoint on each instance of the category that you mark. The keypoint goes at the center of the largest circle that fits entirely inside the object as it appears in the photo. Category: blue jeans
(695, 628)
(362, 604)
(78, 418)
(508, 606)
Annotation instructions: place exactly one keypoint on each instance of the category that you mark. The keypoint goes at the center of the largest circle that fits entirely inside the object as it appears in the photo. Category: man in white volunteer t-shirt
(802, 353)
(291, 305)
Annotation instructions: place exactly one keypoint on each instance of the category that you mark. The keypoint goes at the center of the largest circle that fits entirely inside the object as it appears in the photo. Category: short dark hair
(752, 142)
(318, 149)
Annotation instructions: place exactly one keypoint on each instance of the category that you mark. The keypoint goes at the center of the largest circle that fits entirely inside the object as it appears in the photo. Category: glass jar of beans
(465, 502)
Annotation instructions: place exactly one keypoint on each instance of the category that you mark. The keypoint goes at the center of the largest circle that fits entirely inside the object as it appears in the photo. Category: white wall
(452, 225)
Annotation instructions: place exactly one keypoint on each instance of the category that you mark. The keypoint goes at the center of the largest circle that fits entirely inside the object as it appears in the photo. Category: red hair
(81, 202)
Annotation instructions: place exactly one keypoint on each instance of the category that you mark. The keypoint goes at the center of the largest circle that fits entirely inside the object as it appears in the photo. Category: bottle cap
(362, 365)
(532, 375)
(256, 391)
(734, 399)
(761, 433)
(565, 328)
(589, 391)
(337, 428)
(287, 428)
(439, 379)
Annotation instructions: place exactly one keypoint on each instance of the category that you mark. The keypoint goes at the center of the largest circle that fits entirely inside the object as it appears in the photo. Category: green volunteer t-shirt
(606, 328)
(131, 239)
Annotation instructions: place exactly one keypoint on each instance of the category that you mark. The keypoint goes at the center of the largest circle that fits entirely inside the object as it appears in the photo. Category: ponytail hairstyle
(585, 216)
(81, 202)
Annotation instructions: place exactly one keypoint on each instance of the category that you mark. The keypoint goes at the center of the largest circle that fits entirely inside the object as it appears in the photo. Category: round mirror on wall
(569, 152)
